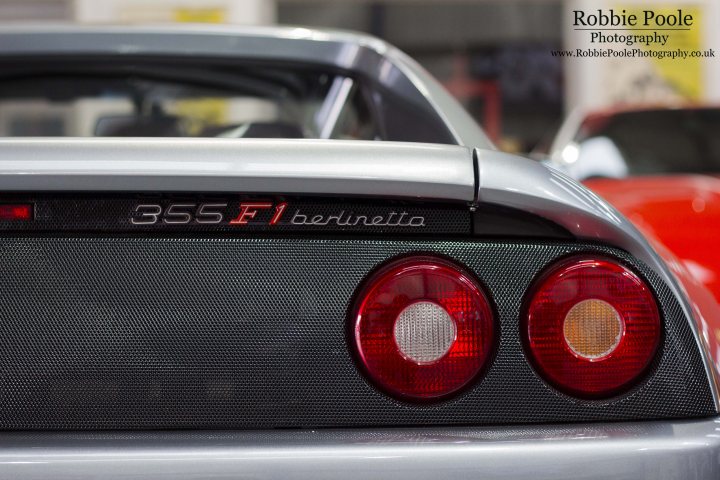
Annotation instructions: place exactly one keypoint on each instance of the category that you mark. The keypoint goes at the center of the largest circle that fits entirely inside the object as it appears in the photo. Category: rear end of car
(234, 318)
(312, 308)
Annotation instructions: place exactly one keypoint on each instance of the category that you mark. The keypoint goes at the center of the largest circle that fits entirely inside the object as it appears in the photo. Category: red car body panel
(680, 216)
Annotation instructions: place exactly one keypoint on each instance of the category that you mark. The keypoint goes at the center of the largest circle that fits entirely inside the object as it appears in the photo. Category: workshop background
(494, 55)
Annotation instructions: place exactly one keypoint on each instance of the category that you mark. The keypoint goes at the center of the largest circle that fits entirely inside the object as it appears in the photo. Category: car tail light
(592, 327)
(16, 211)
(423, 328)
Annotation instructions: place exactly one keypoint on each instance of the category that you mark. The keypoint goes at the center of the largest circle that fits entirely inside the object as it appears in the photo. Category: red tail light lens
(423, 328)
(592, 327)
(16, 211)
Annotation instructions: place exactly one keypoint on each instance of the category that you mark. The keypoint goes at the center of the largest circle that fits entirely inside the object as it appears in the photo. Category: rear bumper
(650, 450)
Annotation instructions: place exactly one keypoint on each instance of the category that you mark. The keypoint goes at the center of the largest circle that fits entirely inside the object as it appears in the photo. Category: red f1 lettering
(279, 210)
(248, 211)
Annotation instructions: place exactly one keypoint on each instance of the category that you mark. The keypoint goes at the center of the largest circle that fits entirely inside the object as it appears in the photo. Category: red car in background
(660, 167)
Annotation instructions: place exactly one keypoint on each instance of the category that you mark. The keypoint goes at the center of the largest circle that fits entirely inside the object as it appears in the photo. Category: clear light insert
(424, 332)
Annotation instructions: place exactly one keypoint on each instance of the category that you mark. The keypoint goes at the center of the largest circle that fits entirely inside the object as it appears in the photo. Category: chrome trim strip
(654, 450)
(321, 167)
(548, 193)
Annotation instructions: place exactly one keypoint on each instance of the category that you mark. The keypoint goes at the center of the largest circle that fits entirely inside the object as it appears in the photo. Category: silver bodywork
(334, 167)
(471, 172)
(685, 450)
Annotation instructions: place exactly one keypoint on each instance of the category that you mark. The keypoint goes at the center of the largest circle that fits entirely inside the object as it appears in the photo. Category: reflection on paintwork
(641, 451)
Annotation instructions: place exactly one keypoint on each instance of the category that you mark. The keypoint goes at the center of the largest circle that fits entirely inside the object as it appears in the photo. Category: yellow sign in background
(199, 15)
(208, 111)
(685, 76)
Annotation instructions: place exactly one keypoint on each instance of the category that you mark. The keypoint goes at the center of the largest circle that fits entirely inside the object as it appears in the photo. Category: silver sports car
(287, 253)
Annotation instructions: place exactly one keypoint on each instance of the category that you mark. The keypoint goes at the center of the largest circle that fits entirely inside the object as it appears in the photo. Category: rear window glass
(161, 100)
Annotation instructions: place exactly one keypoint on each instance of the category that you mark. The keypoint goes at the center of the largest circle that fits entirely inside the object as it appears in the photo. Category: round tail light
(592, 327)
(423, 328)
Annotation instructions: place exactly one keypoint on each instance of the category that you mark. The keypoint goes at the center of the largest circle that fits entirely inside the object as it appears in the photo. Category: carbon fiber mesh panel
(128, 333)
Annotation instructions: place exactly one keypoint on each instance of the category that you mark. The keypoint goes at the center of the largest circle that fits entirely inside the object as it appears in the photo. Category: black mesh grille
(127, 332)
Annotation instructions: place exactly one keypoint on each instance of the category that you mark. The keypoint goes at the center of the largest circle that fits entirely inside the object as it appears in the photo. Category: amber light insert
(593, 329)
